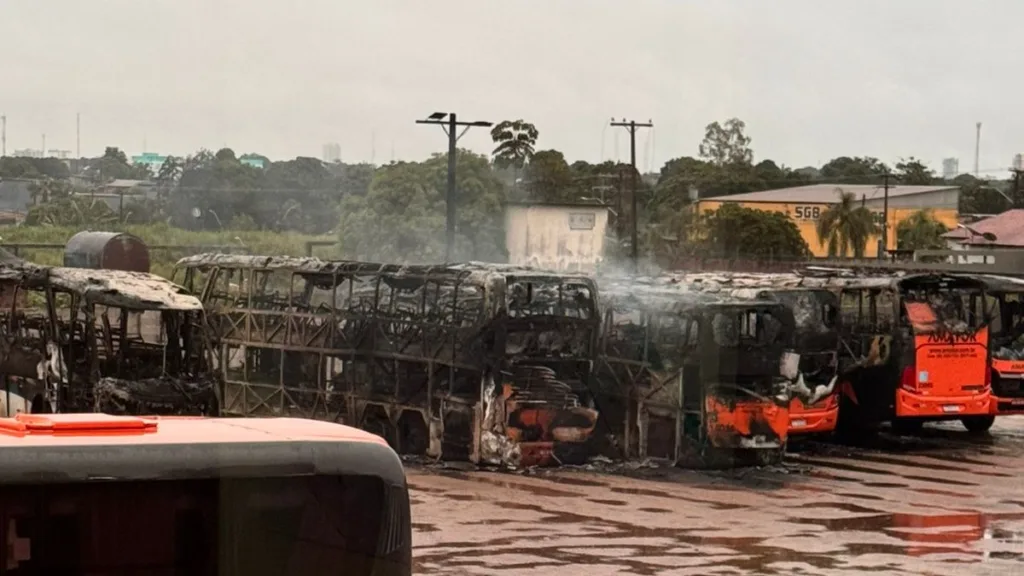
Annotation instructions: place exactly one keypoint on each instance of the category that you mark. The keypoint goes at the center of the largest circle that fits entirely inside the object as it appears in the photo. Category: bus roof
(85, 447)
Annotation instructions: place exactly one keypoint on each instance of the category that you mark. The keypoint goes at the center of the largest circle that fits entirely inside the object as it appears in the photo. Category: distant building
(562, 237)
(29, 153)
(1018, 162)
(805, 204)
(332, 153)
(151, 161)
(950, 168)
(254, 161)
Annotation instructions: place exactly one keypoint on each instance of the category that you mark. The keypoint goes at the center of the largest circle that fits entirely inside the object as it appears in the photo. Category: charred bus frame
(815, 407)
(475, 361)
(100, 341)
(699, 378)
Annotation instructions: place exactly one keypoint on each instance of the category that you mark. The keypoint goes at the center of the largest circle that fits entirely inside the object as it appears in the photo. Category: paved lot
(942, 503)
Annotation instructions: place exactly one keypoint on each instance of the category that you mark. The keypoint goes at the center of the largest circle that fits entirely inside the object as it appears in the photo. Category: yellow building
(805, 204)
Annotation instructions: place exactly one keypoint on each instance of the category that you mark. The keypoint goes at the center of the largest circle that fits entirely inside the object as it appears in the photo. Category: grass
(161, 260)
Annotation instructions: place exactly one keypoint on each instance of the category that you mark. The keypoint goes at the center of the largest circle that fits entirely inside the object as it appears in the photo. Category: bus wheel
(907, 426)
(978, 424)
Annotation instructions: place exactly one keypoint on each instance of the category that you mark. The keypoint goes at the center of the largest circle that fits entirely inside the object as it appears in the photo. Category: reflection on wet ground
(941, 503)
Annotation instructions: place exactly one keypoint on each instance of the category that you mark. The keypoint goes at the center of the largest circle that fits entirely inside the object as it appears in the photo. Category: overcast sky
(812, 79)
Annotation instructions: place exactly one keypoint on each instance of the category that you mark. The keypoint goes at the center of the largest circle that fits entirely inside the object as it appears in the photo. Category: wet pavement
(941, 503)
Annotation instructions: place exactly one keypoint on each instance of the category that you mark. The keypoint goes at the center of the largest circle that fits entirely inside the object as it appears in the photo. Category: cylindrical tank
(109, 250)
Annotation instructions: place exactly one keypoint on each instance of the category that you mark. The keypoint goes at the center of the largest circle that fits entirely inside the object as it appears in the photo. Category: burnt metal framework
(675, 367)
(482, 362)
(816, 338)
(75, 340)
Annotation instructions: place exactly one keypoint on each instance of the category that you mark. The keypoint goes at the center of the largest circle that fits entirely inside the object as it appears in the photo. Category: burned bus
(814, 408)
(1005, 306)
(702, 378)
(100, 341)
(914, 349)
(482, 362)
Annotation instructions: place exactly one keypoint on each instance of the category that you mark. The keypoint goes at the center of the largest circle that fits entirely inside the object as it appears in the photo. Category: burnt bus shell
(483, 362)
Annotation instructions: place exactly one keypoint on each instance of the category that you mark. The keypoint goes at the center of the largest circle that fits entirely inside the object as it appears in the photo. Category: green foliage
(979, 197)
(913, 172)
(79, 211)
(23, 167)
(113, 165)
(845, 227)
(920, 232)
(856, 170)
(402, 217)
(726, 144)
(549, 178)
(734, 231)
(514, 142)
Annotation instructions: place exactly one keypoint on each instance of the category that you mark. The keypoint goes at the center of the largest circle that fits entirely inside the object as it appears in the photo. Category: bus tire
(978, 424)
(907, 426)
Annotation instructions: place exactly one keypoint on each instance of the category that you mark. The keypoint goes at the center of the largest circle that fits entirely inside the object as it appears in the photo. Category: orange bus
(99, 494)
(1005, 304)
(915, 349)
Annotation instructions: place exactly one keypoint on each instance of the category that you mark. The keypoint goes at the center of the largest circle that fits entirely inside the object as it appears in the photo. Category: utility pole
(631, 127)
(78, 135)
(1017, 200)
(977, 147)
(886, 176)
(42, 153)
(449, 123)
(3, 136)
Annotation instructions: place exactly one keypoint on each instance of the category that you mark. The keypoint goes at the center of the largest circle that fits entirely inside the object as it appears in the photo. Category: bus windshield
(304, 525)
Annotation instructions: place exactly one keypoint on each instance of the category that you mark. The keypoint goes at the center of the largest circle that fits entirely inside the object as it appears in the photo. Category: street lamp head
(482, 124)
(437, 116)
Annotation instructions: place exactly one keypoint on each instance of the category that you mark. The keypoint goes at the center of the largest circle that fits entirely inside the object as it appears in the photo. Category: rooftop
(1008, 228)
(827, 193)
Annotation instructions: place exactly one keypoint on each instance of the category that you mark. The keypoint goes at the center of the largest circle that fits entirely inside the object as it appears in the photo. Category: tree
(726, 144)
(856, 170)
(549, 178)
(846, 227)
(921, 231)
(113, 165)
(979, 197)
(514, 140)
(913, 172)
(734, 231)
(402, 217)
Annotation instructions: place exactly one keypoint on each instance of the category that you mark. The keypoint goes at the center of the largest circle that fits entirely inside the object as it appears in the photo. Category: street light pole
(449, 122)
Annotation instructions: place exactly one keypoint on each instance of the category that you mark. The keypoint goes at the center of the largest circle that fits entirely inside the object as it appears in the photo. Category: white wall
(563, 238)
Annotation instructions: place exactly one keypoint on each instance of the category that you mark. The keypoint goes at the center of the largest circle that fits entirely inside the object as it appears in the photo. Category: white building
(560, 237)
(950, 168)
(332, 153)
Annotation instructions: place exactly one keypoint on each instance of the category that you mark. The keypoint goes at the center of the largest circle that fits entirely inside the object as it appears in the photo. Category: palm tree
(845, 227)
(921, 231)
(514, 141)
